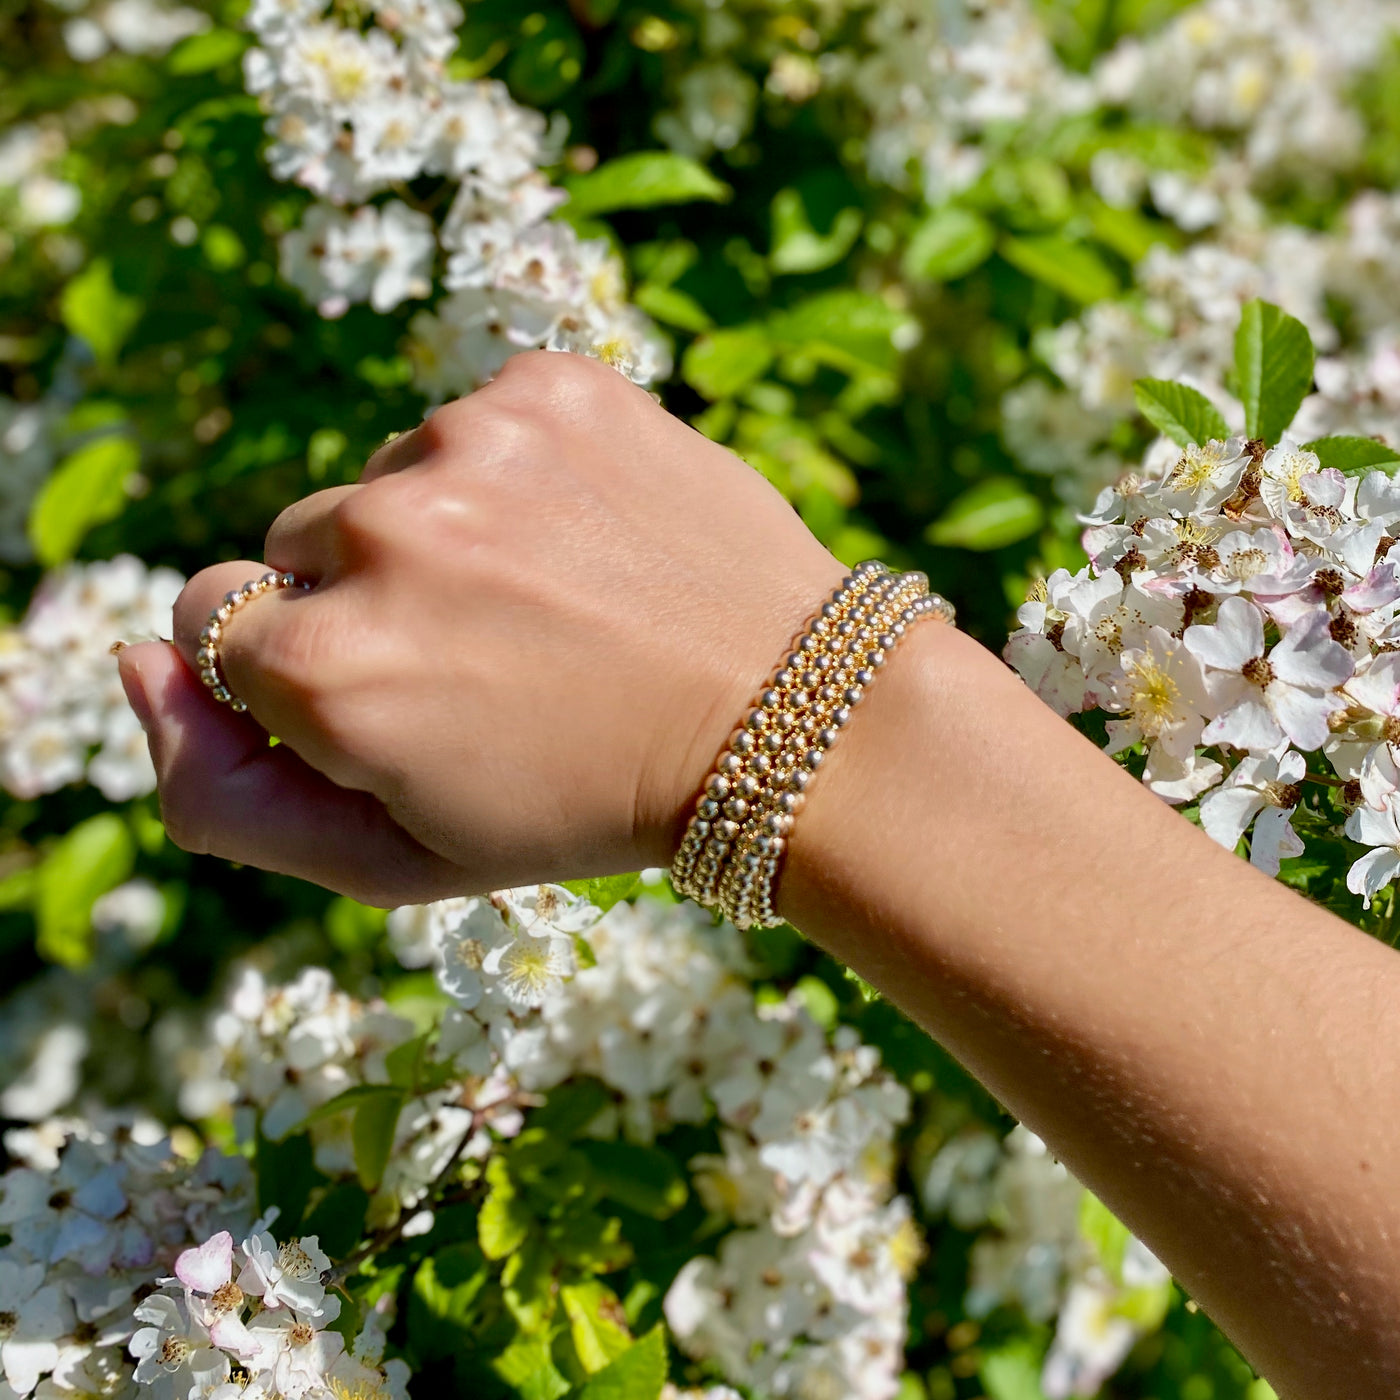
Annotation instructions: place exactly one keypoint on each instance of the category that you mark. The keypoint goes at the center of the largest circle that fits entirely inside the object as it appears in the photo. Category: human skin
(534, 623)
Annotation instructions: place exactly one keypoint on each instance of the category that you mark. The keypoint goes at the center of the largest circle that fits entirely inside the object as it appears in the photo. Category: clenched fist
(530, 627)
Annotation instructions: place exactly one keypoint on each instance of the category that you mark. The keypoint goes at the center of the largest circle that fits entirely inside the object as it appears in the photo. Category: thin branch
(392, 1233)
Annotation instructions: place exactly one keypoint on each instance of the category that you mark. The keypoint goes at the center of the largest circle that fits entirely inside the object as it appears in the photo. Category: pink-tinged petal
(1379, 588)
(1291, 767)
(1248, 725)
(1378, 686)
(207, 1267)
(1308, 656)
(1380, 775)
(1293, 608)
(1227, 812)
(1235, 637)
(1373, 872)
(1302, 713)
(1273, 840)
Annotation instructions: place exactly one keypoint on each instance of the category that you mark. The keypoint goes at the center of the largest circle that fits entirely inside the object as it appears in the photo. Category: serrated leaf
(638, 1374)
(87, 488)
(642, 181)
(641, 1177)
(372, 1134)
(1184, 414)
(202, 52)
(93, 308)
(597, 1323)
(1273, 368)
(1012, 1372)
(92, 858)
(949, 244)
(721, 363)
(604, 891)
(1106, 1234)
(1353, 454)
(995, 512)
(528, 1368)
(505, 1218)
(1073, 269)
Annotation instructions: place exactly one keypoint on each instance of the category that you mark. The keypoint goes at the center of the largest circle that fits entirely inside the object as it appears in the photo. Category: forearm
(1201, 1046)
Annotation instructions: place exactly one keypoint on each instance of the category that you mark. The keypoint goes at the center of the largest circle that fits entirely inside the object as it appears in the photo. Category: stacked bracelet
(733, 846)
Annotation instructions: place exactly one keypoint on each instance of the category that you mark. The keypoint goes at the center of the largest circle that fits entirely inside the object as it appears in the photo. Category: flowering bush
(1021, 294)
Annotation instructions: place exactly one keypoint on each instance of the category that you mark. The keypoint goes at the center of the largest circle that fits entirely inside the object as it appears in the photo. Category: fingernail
(136, 696)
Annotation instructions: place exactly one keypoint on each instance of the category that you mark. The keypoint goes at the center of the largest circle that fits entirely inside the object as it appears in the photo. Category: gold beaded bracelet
(733, 846)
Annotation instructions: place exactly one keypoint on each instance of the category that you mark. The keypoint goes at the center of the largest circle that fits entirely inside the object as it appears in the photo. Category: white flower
(34, 1314)
(173, 1353)
(1261, 699)
(1378, 867)
(1091, 1342)
(1162, 692)
(531, 968)
(289, 1275)
(1263, 786)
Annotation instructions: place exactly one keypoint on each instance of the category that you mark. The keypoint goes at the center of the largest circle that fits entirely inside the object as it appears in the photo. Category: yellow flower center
(1152, 694)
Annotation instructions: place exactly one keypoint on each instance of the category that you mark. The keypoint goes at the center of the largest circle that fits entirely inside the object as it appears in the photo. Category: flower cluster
(1274, 76)
(936, 78)
(60, 697)
(664, 1016)
(256, 1327)
(1238, 618)
(86, 1237)
(352, 114)
(1033, 1254)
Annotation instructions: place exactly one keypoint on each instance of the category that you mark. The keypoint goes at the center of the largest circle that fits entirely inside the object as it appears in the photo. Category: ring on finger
(210, 666)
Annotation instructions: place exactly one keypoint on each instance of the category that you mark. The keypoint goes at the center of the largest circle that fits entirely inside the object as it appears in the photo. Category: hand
(533, 622)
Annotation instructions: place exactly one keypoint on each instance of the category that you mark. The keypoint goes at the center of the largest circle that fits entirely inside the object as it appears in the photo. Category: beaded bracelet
(733, 846)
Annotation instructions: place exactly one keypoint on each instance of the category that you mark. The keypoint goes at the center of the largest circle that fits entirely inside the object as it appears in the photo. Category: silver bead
(736, 808)
(813, 758)
(206, 656)
(210, 677)
(789, 803)
(761, 763)
(772, 743)
(210, 635)
(717, 786)
(827, 737)
(756, 721)
(783, 678)
(707, 809)
(809, 644)
(287, 580)
(798, 781)
(875, 659)
(784, 721)
(237, 706)
(770, 699)
(748, 786)
(223, 612)
(800, 699)
(741, 741)
(777, 824)
(863, 676)
(729, 764)
(827, 694)
(851, 695)
(810, 680)
(830, 612)
(841, 716)
(886, 640)
(726, 830)
(232, 600)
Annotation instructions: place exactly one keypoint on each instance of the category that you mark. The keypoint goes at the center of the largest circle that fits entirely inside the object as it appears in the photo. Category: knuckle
(556, 382)
(369, 515)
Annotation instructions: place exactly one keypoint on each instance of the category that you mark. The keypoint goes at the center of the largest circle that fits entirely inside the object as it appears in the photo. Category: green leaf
(721, 363)
(93, 308)
(638, 1374)
(597, 1322)
(570, 1108)
(528, 1284)
(441, 1306)
(673, 307)
(286, 1175)
(202, 52)
(995, 512)
(1273, 368)
(505, 1218)
(1353, 454)
(87, 488)
(949, 244)
(528, 1368)
(94, 857)
(338, 1218)
(1182, 413)
(798, 247)
(852, 330)
(606, 890)
(1012, 1372)
(643, 1178)
(1073, 269)
(642, 181)
(372, 1134)
(354, 927)
(1106, 1234)
(347, 1101)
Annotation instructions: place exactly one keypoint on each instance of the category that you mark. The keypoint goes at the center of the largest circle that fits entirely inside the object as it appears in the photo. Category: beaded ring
(210, 668)
(734, 843)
